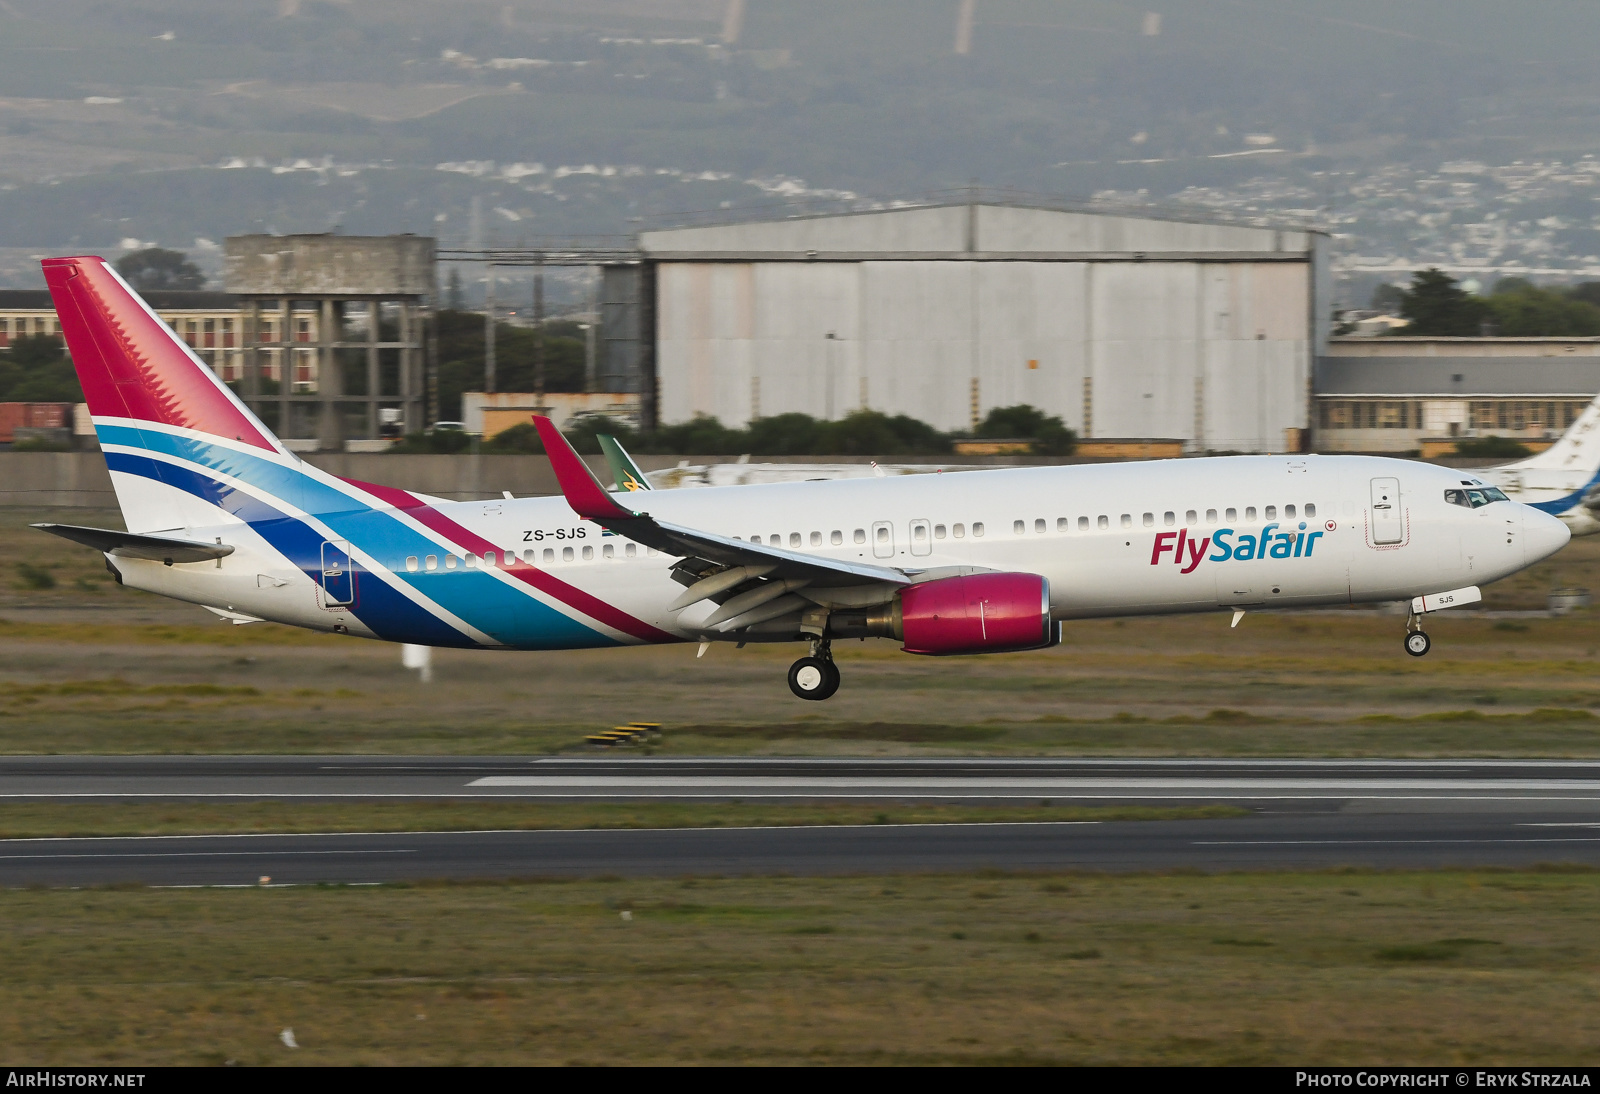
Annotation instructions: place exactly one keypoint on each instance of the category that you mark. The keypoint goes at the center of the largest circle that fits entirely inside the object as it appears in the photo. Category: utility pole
(538, 328)
(488, 332)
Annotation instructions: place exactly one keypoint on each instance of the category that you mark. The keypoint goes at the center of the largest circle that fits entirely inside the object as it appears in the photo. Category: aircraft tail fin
(624, 471)
(1577, 449)
(147, 391)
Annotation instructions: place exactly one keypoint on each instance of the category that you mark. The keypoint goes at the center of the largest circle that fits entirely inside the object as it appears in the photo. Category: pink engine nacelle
(980, 613)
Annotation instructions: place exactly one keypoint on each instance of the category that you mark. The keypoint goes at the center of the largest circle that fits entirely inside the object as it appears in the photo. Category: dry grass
(19, 820)
(90, 667)
(1353, 968)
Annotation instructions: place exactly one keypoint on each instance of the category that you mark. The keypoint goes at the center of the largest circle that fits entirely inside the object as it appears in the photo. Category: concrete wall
(1217, 353)
(48, 480)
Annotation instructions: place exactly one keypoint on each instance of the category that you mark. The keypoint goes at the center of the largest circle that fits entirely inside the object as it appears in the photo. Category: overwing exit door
(1388, 524)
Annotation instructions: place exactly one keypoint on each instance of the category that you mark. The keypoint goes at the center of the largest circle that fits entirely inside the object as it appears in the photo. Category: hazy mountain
(116, 120)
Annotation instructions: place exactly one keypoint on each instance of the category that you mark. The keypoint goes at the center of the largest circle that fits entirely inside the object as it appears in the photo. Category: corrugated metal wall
(1217, 353)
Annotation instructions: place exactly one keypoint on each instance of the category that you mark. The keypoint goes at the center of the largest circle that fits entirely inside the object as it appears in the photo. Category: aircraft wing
(624, 471)
(128, 545)
(590, 501)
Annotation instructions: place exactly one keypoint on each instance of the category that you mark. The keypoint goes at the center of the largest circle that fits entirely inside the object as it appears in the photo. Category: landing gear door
(1388, 523)
(338, 580)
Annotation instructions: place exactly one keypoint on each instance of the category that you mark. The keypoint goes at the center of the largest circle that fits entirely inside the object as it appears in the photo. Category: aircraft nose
(1542, 535)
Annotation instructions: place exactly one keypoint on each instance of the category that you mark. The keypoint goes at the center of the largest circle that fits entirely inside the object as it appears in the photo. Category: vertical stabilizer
(147, 391)
(1577, 450)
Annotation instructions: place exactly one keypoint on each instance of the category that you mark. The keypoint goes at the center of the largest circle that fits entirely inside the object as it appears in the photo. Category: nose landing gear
(1417, 643)
(815, 677)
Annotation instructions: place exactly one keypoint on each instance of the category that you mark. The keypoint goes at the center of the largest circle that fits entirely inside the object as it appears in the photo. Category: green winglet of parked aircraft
(626, 473)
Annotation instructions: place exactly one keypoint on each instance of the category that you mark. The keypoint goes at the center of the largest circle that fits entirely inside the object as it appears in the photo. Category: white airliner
(221, 514)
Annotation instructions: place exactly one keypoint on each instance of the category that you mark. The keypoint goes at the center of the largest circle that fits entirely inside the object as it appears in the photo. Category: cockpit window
(1475, 498)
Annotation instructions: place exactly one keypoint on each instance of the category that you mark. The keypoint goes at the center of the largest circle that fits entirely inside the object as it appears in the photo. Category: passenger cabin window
(938, 531)
(959, 531)
(836, 537)
(1288, 512)
(566, 554)
(471, 562)
(1018, 527)
(1083, 523)
(1150, 520)
(1168, 518)
(1190, 517)
(588, 553)
(1211, 516)
(608, 551)
(816, 539)
(861, 535)
(775, 540)
(1311, 510)
(411, 564)
(1231, 514)
(1249, 512)
(630, 549)
(1105, 522)
(1062, 524)
(794, 539)
(489, 558)
(450, 562)
(1272, 512)
(883, 535)
(549, 554)
(1038, 525)
(1475, 498)
(977, 528)
(919, 532)
(1127, 520)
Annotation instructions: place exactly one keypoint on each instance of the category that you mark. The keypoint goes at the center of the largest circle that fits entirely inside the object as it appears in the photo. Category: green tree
(1049, 434)
(1523, 310)
(1436, 304)
(156, 268)
(37, 370)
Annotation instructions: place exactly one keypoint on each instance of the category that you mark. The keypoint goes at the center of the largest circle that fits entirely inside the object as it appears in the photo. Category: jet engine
(976, 613)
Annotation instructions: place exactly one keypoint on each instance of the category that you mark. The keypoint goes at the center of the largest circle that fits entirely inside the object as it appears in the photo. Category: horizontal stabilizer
(129, 545)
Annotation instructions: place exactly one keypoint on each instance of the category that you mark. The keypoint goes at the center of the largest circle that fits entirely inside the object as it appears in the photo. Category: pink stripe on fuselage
(569, 595)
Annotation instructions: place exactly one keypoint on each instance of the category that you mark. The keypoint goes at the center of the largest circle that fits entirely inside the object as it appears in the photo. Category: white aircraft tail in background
(1564, 479)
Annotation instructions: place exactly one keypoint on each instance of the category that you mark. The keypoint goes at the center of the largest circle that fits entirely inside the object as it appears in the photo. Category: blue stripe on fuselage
(494, 607)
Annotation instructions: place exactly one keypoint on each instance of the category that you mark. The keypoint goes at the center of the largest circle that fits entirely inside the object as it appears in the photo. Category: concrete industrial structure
(357, 284)
(1124, 325)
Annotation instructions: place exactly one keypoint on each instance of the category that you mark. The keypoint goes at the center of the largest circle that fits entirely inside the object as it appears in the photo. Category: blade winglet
(578, 484)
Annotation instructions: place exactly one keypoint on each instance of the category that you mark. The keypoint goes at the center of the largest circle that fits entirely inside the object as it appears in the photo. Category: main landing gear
(815, 677)
(1417, 643)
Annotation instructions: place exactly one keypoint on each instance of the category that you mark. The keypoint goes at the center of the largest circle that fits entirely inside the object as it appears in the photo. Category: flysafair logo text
(1189, 552)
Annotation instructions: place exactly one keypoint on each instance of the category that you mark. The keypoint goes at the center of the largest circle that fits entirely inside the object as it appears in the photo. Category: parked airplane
(1564, 479)
(221, 514)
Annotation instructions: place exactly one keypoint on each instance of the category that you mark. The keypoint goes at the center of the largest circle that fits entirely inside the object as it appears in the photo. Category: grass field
(1330, 968)
(25, 820)
(87, 666)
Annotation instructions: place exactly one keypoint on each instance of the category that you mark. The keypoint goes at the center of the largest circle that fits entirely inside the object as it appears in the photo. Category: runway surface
(1269, 841)
(1305, 813)
(1279, 784)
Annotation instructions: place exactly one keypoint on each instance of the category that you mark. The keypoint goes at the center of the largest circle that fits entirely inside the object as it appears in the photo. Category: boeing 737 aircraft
(221, 514)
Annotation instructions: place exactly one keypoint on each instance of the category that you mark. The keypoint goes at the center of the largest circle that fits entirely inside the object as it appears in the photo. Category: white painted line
(769, 782)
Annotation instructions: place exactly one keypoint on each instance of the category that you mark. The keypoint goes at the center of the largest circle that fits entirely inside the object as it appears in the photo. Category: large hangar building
(1124, 325)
